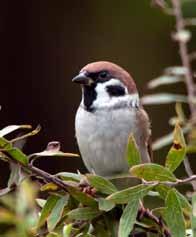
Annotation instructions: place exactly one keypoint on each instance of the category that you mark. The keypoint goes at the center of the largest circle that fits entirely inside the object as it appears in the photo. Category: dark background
(43, 44)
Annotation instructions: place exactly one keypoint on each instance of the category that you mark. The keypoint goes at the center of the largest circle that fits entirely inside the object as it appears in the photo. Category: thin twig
(162, 4)
(40, 173)
(170, 183)
(186, 62)
(180, 27)
(189, 171)
(145, 212)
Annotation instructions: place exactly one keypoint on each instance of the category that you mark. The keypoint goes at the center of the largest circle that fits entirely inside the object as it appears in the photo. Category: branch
(189, 171)
(186, 62)
(143, 212)
(180, 27)
(39, 173)
(170, 183)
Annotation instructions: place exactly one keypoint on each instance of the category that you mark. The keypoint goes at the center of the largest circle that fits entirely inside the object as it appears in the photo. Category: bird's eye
(103, 74)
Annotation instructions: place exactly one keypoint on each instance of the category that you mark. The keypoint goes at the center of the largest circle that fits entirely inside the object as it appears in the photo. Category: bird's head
(106, 85)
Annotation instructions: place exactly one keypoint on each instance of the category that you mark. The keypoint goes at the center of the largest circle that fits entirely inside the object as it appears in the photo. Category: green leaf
(105, 204)
(49, 187)
(163, 191)
(18, 155)
(69, 176)
(164, 80)
(177, 152)
(57, 212)
(163, 98)
(152, 172)
(132, 153)
(167, 139)
(15, 153)
(13, 128)
(5, 144)
(84, 198)
(173, 215)
(128, 194)
(101, 184)
(83, 213)
(67, 230)
(184, 202)
(49, 205)
(128, 218)
(193, 222)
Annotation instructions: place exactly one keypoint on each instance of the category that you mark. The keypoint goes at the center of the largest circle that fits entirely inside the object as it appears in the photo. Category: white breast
(102, 138)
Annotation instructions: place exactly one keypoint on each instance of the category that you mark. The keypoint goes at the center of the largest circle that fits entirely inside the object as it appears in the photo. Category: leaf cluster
(70, 204)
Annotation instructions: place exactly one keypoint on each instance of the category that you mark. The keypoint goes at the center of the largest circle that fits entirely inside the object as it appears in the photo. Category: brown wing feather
(144, 139)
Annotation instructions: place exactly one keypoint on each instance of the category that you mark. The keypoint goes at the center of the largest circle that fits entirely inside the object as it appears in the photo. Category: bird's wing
(144, 130)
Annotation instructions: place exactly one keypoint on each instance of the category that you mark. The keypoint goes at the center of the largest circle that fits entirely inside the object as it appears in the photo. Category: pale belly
(102, 138)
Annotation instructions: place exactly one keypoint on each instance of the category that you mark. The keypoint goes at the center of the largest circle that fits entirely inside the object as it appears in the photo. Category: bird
(110, 110)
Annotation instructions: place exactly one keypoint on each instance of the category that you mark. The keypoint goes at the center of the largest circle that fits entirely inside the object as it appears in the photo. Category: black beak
(82, 79)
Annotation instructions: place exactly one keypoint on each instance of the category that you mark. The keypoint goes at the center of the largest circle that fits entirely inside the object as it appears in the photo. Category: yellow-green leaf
(69, 176)
(173, 215)
(84, 198)
(57, 212)
(132, 153)
(50, 203)
(101, 184)
(152, 172)
(18, 155)
(5, 144)
(193, 222)
(128, 194)
(49, 187)
(84, 213)
(15, 153)
(67, 230)
(163, 191)
(177, 152)
(105, 204)
(128, 218)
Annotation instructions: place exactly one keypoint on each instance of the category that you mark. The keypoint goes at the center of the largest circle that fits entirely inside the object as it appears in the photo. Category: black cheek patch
(89, 96)
(116, 90)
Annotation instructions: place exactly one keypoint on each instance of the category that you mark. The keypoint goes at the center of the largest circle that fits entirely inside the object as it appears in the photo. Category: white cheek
(104, 100)
(102, 94)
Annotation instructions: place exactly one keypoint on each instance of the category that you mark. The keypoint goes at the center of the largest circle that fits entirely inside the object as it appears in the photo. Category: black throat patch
(90, 95)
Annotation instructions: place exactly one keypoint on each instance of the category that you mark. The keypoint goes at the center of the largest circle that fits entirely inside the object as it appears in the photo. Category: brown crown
(115, 70)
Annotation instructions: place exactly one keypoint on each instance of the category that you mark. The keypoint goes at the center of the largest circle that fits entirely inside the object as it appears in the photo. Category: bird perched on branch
(109, 111)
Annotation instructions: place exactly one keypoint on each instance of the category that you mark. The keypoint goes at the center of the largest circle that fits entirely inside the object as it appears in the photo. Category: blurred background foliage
(45, 43)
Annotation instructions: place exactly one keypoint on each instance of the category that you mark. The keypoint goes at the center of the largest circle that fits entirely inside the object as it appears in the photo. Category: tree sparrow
(109, 111)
